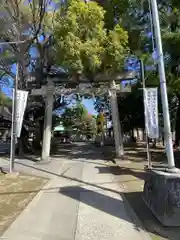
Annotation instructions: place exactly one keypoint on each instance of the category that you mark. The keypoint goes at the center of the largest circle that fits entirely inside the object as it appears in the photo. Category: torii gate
(101, 84)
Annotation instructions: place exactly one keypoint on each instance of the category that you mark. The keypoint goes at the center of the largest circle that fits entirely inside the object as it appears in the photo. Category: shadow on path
(97, 200)
(117, 170)
(94, 199)
(79, 151)
(75, 152)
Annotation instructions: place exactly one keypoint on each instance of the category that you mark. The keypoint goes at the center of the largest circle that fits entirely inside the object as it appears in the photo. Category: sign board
(20, 108)
(151, 112)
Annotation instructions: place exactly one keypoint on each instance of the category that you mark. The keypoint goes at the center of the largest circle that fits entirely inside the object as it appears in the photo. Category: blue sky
(89, 104)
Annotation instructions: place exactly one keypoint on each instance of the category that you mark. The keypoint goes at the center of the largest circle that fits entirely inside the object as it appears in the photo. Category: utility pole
(116, 122)
(13, 125)
(167, 126)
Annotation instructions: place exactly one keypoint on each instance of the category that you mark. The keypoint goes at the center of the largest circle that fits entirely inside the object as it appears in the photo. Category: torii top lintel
(65, 78)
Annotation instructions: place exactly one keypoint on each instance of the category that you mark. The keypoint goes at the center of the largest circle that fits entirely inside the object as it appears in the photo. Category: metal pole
(13, 126)
(167, 126)
(116, 122)
(145, 114)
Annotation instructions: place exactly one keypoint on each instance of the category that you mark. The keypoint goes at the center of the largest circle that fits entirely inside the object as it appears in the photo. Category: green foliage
(16, 20)
(83, 43)
(72, 116)
(5, 101)
(131, 110)
(77, 119)
(134, 16)
(102, 103)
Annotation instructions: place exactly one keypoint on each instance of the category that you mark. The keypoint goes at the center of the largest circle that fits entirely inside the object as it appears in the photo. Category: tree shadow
(75, 152)
(118, 170)
(138, 154)
(141, 155)
(110, 205)
(78, 151)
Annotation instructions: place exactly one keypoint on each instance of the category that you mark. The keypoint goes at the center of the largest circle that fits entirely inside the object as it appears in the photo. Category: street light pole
(167, 126)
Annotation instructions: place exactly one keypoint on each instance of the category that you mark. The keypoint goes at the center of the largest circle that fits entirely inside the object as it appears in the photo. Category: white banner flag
(20, 108)
(151, 112)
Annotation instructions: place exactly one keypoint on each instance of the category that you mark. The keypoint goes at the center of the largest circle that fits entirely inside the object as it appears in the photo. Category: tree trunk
(154, 143)
(138, 135)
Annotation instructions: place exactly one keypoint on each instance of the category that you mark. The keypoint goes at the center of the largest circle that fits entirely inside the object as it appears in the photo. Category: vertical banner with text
(151, 109)
(20, 108)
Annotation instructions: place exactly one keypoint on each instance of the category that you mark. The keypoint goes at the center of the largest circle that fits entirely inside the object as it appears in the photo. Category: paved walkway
(82, 201)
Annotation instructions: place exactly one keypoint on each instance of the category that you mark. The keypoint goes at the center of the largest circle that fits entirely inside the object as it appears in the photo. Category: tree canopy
(88, 37)
(22, 21)
(77, 119)
(83, 44)
(135, 17)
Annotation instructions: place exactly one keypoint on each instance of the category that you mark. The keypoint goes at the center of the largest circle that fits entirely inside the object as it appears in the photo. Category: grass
(132, 178)
(16, 191)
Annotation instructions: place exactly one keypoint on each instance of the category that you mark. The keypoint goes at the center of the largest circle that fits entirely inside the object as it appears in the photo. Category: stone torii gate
(101, 84)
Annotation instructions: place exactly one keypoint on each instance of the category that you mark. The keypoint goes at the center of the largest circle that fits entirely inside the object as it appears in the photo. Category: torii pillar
(46, 145)
(116, 121)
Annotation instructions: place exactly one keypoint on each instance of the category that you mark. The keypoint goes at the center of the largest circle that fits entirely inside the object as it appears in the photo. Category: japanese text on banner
(151, 105)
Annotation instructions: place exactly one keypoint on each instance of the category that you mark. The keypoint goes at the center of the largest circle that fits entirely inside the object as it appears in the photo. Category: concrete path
(82, 201)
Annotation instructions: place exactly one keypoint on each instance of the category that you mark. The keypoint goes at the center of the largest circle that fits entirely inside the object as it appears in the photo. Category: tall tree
(20, 21)
(83, 43)
(31, 23)
(78, 118)
(135, 17)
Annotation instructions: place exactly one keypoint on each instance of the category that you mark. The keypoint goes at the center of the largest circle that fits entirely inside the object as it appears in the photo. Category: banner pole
(13, 124)
(145, 115)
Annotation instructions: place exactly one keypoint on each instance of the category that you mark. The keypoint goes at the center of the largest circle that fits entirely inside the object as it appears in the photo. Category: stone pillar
(161, 194)
(47, 122)
(116, 122)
